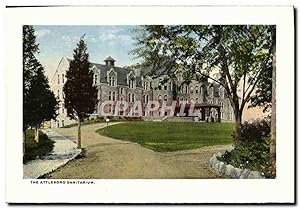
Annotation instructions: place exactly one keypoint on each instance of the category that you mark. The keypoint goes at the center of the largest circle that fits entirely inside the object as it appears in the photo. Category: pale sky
(56, 42)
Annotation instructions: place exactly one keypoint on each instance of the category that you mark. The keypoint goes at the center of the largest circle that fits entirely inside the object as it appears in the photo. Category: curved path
(109, 158)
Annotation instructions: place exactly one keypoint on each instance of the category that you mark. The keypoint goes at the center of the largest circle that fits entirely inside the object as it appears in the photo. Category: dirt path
(109, 158)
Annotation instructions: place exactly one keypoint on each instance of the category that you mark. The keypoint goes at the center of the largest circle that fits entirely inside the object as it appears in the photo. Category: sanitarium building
(124, 84)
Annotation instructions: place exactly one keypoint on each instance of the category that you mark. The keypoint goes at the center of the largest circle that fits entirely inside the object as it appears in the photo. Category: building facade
(131, 85)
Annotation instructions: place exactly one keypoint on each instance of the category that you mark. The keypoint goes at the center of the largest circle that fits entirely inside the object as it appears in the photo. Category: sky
(56, 42)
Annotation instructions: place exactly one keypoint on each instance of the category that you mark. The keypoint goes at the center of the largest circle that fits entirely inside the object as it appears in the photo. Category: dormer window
(112, 79)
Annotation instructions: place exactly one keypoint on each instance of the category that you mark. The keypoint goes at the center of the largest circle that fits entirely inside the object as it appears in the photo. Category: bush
(254, 151)
(256, 130)
(35, 150)
(254, 156)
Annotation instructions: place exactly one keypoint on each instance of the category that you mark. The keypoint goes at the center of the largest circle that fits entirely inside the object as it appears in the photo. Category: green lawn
(171, 136)
(34, 149)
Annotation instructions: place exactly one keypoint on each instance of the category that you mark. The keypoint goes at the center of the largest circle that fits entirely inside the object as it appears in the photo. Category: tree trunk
(79, 134)
(36, 134)
(238, 127)
(273, 117)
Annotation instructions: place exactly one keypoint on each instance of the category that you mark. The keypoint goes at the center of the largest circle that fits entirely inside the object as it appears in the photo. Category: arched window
(112, 79)
(132, 97)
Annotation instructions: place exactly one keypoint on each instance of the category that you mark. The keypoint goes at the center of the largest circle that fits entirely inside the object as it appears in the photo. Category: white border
(153, 191)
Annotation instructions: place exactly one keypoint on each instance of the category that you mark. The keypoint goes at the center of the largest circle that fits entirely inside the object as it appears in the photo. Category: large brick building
(124, 84)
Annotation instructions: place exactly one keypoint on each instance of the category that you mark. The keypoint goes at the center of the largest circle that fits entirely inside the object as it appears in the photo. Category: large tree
(237, 54)
(39, 102)
(43, 103)
(80, 93)
(30, 65)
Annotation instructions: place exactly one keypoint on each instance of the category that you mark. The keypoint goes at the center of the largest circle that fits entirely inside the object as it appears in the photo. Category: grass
(102, 120)
(171, 136)
(34, 149)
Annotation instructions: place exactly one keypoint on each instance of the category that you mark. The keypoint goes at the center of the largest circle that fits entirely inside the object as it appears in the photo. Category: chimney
(109, 61)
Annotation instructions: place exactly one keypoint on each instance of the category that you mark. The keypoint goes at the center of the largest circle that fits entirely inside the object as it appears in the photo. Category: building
(124, 84)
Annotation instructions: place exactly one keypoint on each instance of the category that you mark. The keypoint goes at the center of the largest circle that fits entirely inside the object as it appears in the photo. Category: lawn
(34, 149)
(171, 136)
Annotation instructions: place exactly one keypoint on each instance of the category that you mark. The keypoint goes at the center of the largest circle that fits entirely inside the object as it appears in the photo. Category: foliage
(171, 136)
(256, 130)
(80, 94)
(253, 152)
(238, 55)
(252, 155)
(35, 149)
(42, 102)
(263, 93)
(39, 102)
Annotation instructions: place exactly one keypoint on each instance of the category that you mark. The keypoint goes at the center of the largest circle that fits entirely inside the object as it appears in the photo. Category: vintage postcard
(150, 104)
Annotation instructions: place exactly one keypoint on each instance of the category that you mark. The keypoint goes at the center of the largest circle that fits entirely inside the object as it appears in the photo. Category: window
(62, 108)
(131, 83)
(129, 97)
(197, 89)
(192, 89)
(145, 85)
(112, 96)
(112, 79)
(95, 79)
(57, 79)
(58, 94)
(57, 124)
(159, 98)
(166, 87)
(165, 98)
(132, 97)
(121, 90)
(62, 123)
(147, 98)
(63, 78)
(159, 86)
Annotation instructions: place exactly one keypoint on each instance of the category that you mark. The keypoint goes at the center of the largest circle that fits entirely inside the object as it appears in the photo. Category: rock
(228, 170)
(244, 174)
(255, 175)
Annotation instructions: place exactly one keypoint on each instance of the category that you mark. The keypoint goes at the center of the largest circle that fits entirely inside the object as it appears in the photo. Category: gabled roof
(121, 73)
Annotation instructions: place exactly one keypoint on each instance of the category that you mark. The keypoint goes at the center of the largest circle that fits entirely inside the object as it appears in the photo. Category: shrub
(35, 150)
(253, 152)
(256, 130)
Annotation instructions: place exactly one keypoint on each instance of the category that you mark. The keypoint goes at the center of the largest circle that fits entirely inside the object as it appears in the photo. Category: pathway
(108, 158)
(64, 150)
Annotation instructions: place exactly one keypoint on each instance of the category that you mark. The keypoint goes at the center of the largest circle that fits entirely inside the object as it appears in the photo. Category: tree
(237, 54)
(30, 64)
(43, 103)
(80, 94)
(39, 102)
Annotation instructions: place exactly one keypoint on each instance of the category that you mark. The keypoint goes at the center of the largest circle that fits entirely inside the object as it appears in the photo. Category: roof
(121, 73)
(109, 58)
